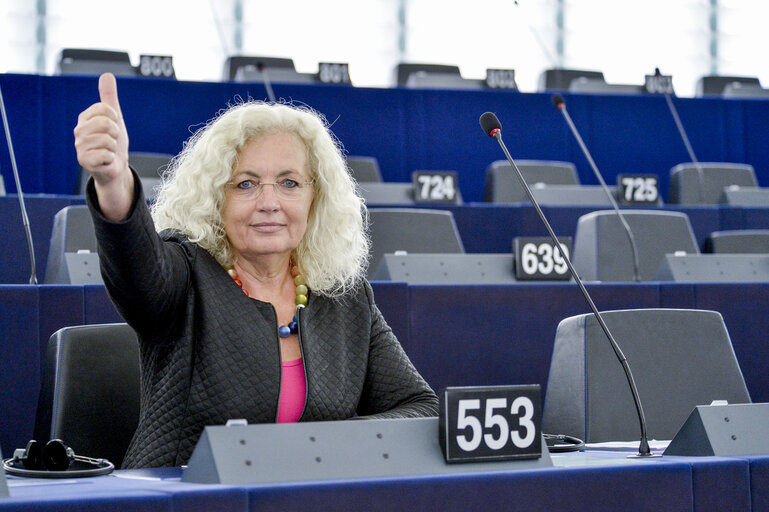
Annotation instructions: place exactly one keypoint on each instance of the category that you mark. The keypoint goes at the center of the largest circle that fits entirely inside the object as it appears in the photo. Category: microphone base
(640, 455)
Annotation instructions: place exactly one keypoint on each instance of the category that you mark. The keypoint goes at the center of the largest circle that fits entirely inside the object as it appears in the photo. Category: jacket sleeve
(146, 277)
(393, 387)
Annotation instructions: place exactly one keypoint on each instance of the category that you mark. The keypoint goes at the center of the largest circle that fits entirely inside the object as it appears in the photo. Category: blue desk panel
(405, 129)
(590, 481)
(455, 335)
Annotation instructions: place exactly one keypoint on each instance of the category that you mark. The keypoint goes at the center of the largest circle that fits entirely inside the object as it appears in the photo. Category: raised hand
(101, 141)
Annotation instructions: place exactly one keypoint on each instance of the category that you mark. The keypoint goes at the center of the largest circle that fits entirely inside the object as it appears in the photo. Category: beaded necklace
(301, 297)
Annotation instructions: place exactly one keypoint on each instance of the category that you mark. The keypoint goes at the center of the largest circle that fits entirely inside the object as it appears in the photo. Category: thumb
(108, 92)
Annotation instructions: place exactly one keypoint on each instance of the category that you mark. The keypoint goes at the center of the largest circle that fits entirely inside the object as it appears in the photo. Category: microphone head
(490, 124)
(558, 101)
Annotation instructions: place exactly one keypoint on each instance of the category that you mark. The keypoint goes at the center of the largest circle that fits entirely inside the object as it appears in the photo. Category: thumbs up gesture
(101, 141)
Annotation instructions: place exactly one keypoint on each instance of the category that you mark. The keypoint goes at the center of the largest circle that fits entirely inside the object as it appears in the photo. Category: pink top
(292, 392)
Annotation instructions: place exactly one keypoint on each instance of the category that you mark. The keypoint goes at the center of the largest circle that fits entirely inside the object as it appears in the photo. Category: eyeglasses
(285, 188)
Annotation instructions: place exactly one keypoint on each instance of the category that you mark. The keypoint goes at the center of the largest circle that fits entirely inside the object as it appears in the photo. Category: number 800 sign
(490, 423)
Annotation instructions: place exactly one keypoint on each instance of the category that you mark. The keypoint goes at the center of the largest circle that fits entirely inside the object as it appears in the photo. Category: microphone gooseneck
(682, 133)
(492, 127)
(24, 216)
(267, 84)
(560, 104)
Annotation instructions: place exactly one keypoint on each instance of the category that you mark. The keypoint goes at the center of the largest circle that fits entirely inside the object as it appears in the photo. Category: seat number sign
(638, 188)
(537, 259)
(334, 73)
(157, 66)
(434, 186)
(490, 423)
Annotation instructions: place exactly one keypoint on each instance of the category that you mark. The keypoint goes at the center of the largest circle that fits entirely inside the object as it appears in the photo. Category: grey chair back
(411, 230)
(503, 186)
(149, 167)
(86, 61)
(711, 85)
(405, 70)
(559, 79)
(91, 390)
(602, 250)
(72, 257)
(705, 183)
(364, 169)
(235, 63)
(679, 359)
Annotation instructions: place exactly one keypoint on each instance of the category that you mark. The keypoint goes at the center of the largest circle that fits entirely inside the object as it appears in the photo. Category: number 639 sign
(490, 423)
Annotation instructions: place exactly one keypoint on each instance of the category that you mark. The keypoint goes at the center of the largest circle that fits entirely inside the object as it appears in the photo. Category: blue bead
(284, 331)
(293, 326)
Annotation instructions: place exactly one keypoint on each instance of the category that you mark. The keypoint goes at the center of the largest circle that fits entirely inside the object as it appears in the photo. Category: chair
(559, 79)
(404, 70)
(705, 184)
(714, 85)
(72, 257)
(679, 358)
(602, 250)
(85, 61)
(502, 185)
(431, 76)
(411, 230)
(743, 241)
(585, 85)
(364, 169)
(91, 390)
(245, 68)
(148, 166)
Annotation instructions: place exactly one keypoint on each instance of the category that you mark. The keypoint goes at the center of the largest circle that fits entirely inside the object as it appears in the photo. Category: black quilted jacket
(209, 353)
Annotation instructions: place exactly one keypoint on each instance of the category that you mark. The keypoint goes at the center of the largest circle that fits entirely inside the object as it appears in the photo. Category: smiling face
(270, 223)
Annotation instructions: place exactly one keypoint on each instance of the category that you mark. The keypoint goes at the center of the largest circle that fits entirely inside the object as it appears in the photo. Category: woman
(251, 301)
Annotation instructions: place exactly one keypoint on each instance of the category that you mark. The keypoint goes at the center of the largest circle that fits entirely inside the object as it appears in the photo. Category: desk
(484, 228)
(594, 481)
(406, 129)
(454, 335)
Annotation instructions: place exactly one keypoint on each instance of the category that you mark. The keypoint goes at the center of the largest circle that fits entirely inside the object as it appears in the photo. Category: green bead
(301, 290)
(301, 299)
(300, 280)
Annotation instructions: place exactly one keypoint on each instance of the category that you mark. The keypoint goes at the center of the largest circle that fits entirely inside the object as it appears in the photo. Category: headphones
(55, 460)
(560, 443)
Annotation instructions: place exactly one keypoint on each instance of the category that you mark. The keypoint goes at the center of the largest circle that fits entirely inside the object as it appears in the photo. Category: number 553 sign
(490, 423)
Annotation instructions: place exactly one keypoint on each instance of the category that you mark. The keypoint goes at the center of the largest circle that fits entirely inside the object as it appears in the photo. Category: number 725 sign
(490, 423)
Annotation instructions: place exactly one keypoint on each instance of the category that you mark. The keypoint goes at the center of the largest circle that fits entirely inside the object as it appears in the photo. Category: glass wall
(625, 40)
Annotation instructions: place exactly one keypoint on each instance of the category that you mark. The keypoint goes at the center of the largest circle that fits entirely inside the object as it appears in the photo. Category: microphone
(267, 84)
(24, 217)
(492, 127)
(682, 133)
(560, 104)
